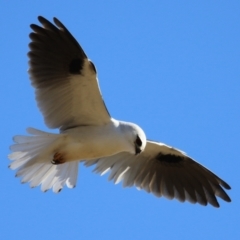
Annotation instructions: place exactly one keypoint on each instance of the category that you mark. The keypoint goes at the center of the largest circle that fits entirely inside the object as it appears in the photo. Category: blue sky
(170, 66)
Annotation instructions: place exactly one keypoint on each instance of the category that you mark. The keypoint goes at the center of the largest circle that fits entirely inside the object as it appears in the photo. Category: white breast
(89, 142)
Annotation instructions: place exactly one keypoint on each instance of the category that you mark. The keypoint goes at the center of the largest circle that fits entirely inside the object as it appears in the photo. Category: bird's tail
(34, 165)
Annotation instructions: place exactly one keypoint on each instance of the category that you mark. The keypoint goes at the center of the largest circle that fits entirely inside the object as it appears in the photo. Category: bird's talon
(57, 159)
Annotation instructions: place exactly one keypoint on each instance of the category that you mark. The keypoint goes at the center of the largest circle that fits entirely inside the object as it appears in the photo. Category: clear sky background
(173, 67)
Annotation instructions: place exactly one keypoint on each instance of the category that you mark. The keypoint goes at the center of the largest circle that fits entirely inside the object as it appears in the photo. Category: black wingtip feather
(216, 206)
(42, 19)
(58, 23)
(225, 185)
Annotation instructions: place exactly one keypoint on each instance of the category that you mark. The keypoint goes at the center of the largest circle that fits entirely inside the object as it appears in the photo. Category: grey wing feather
(164, 171)
(65, 81)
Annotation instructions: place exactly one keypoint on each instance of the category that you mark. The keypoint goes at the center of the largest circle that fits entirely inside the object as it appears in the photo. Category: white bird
(68, 95)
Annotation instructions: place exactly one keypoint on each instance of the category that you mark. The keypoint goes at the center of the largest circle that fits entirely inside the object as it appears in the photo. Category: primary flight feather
(68, 95)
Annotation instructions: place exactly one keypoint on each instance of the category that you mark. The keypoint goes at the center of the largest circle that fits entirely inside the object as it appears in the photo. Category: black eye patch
(138, 141)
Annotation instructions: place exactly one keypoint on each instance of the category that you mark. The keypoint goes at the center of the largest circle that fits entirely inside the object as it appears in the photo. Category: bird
(68, 96)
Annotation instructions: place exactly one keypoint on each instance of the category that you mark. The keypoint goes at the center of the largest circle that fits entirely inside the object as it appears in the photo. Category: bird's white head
(135, 136)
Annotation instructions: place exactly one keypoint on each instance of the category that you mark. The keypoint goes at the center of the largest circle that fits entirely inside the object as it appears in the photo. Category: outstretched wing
(65, 81)
(164, 171)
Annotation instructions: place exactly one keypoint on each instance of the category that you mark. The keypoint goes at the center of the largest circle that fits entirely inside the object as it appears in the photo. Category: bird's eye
(138, 141)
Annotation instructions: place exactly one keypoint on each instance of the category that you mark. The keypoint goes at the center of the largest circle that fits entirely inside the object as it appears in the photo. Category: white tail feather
(32, 157)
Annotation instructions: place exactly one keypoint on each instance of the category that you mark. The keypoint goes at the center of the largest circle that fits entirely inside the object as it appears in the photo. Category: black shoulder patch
(169, 158)
(76, 66)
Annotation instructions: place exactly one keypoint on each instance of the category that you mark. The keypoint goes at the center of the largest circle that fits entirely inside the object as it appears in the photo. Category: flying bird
(69, 97)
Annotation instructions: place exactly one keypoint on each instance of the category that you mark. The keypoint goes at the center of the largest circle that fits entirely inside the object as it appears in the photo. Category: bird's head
(135, 136)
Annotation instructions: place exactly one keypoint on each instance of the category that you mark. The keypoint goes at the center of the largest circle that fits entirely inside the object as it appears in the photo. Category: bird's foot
(57, 159)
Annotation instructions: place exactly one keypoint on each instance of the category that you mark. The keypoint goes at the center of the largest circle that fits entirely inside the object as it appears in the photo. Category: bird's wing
(164, 171)
(65, 80)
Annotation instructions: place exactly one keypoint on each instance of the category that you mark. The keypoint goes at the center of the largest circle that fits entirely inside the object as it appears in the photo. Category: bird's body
(68, 95)
(91, 142)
